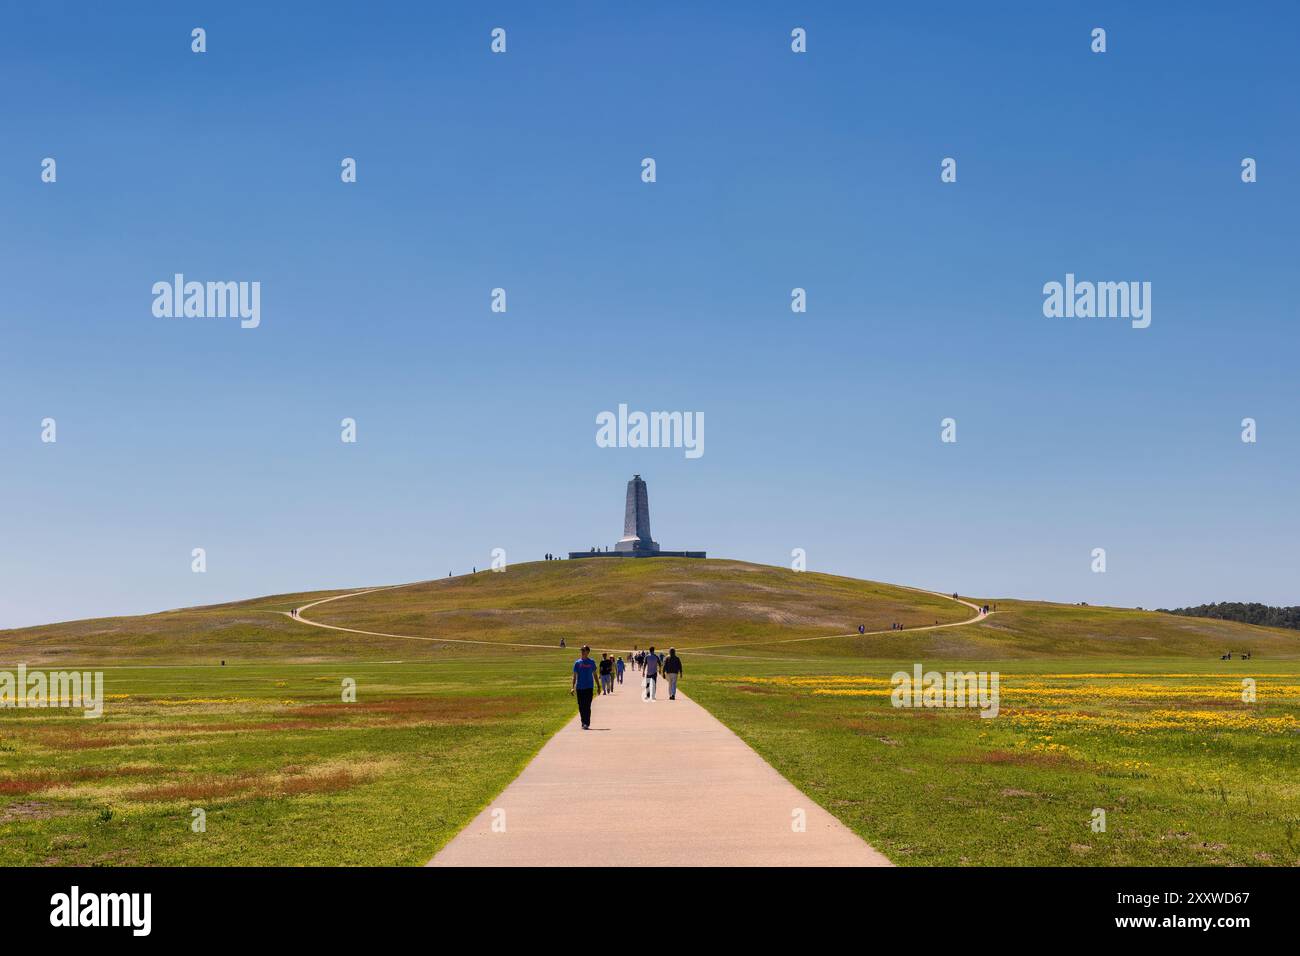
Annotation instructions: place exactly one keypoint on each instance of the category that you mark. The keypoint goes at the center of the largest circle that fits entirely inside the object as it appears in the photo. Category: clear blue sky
(775, 170)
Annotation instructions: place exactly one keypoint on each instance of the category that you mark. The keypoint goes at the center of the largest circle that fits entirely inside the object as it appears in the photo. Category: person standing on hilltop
(672, 670)
(584, 685)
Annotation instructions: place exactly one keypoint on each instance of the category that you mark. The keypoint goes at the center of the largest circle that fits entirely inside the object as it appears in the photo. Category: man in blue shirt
(584, 684)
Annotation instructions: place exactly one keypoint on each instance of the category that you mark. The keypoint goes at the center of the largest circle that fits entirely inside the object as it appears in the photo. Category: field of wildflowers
(1092, 762)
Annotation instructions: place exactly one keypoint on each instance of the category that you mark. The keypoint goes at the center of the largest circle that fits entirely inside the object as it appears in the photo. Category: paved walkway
(651, 784)
(658, 783)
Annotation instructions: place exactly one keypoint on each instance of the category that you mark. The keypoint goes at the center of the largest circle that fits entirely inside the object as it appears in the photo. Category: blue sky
(522, 171)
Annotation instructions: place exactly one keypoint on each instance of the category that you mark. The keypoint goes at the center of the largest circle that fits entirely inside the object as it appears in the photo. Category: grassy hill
(1126, 710)
(1033, 628)
(1023, 630)
(247, 630)
(608, 603)
(616, 604)
(722, 607)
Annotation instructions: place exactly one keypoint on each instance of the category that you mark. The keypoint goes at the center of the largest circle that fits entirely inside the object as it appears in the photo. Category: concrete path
(659, 783)
(651, 784)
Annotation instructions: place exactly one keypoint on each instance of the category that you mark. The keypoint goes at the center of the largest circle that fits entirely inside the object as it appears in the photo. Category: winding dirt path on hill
(979, 616)
(702, 649)
(296, 615)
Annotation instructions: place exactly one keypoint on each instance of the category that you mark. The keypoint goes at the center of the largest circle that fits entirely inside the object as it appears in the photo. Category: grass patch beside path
(287, 773)
(1186, 772)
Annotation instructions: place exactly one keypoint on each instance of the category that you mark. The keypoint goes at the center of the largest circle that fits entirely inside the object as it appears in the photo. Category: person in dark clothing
(606, 674)
(672, 670)
(584, 685)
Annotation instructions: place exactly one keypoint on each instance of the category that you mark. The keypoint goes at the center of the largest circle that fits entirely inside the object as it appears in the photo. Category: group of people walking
(609, 672)
(652, 664)
(611, 668)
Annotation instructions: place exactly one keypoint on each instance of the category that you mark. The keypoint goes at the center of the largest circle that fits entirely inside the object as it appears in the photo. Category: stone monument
(636, 541)
(636, 520)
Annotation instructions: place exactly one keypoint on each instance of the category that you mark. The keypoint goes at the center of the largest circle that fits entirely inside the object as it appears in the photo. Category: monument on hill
(636, 519)
(636, 541)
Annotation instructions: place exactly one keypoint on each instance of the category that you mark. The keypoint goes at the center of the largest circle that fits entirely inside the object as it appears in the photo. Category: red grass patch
(250, 785)
(77, 741)
(48, 780)
(441, 710)
(324, 783)
(204, 789)
(239, 728)
(1018, 758)
(25, 783)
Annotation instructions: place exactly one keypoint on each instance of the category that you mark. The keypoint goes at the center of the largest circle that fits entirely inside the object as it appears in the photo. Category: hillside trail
(702, 649)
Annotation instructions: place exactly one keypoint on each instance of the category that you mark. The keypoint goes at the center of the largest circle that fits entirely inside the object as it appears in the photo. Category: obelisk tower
(636, 520)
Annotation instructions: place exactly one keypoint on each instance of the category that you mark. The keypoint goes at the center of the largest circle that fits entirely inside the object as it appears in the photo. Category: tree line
(1253, 613)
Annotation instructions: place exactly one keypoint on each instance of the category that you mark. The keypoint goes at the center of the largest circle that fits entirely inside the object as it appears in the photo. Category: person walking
(672, 670)
(606, 674)
(651, 674)
(584, 685)
(618, 669)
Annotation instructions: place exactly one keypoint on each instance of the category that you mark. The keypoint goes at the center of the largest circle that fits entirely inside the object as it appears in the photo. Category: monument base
(637, 545)
(575, 555)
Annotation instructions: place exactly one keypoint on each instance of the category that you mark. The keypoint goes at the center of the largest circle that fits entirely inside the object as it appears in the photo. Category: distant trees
(1254, 613)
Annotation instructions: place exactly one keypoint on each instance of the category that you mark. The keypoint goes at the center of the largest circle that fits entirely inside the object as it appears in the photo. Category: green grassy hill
(1102, 707)
(607, 603)
(1033, 629)
(723, 607)
(244, 631)
(616, 604)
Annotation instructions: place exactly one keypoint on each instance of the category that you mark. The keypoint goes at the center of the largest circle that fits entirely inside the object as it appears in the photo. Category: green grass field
(286, 772)
(1186, 772)
(1123, 710)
